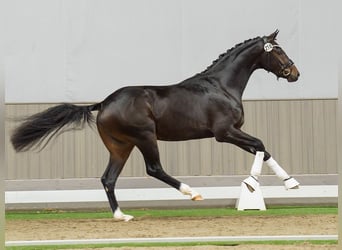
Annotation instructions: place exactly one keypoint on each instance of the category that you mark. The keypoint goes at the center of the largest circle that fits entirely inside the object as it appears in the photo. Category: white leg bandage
(119, 215)
(289, 182)
(252, 181)
(257, 164)
(187, 190)
(278, 170)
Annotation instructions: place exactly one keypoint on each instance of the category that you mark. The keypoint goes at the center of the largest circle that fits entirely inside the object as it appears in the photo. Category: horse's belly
(179, 133)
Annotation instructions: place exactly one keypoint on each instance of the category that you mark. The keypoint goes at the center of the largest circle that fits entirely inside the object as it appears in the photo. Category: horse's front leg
(255, 146)
(252, 181)
(289, 182)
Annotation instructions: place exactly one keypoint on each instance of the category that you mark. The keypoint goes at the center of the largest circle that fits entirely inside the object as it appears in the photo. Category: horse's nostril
(287, 72)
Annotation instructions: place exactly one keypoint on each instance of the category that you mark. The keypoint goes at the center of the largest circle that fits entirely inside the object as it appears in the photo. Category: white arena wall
(81, 51)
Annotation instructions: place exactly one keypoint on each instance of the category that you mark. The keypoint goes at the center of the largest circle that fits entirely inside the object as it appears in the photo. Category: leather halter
(285, 69)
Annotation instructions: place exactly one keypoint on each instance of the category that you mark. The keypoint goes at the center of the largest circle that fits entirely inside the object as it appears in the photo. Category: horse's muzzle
(294, 75)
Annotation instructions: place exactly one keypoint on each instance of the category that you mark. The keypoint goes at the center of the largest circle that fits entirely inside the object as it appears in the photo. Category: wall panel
(79, 51)
(300, 134)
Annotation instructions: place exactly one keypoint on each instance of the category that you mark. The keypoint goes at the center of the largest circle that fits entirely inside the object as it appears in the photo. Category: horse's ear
(273, 36)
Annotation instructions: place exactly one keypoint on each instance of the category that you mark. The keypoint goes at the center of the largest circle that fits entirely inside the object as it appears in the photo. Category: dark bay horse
(206, 105)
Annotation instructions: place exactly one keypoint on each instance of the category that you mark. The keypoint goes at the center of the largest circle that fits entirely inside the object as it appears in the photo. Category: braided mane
(228, 53)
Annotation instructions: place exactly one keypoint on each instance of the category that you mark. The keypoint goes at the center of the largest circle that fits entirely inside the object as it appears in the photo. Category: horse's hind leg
(119, 153)
(109, 179)
(149, 148)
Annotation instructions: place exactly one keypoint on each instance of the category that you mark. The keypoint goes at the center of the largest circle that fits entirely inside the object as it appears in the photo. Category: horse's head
(274, 59)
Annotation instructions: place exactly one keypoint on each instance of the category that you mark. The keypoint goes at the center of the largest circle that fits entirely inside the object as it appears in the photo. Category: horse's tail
(43, 126)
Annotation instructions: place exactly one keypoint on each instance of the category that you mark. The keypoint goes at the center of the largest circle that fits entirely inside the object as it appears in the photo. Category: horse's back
(173, 112)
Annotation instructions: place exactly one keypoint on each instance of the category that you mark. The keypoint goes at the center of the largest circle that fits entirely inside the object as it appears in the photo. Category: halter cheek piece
(285, 69)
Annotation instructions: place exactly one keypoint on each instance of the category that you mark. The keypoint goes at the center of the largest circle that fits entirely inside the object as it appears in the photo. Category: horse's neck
(234, 72)
(235, 82)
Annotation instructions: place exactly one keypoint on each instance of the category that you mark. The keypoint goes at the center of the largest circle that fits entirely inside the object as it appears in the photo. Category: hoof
(197, 197)
(120, 216)
(187, 190)
(123, 217)
(291, 183)
(251, 183)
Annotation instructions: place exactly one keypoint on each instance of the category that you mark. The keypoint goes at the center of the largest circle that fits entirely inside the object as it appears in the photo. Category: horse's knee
(258, 145)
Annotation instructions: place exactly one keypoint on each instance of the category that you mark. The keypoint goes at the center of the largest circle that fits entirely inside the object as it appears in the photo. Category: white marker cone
(250, 200)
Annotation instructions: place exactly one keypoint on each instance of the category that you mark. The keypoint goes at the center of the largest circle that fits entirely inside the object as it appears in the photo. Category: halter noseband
(285, 69)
